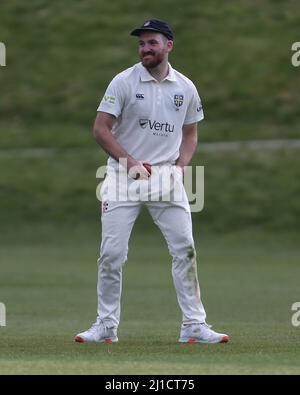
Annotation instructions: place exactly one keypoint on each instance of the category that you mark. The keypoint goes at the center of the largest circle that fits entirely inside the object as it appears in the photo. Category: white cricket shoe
(201, 333)
(98, 333)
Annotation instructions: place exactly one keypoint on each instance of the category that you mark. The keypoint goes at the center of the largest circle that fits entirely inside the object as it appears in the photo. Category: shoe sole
(79, 339)
(192, 340)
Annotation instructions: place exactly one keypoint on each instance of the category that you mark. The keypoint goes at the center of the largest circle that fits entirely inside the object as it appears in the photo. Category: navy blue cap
(154, 25)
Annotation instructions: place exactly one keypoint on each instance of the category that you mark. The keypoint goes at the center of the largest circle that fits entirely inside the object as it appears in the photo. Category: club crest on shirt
(178, 100)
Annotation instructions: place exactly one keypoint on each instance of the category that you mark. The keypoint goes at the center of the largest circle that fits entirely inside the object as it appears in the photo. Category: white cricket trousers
(174, 221)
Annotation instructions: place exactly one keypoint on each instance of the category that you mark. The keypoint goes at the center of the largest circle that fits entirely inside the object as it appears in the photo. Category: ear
(169, 45)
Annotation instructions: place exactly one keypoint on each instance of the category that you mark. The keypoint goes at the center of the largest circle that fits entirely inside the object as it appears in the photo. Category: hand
(139, 170)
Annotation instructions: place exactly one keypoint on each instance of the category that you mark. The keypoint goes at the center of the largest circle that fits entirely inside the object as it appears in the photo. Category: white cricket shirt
(150, 114)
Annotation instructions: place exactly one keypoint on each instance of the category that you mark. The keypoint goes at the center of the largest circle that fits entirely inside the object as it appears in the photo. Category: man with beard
(147, 122)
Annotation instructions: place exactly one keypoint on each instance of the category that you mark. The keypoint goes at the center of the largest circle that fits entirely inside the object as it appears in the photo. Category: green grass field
(247, 242)
(249, 282)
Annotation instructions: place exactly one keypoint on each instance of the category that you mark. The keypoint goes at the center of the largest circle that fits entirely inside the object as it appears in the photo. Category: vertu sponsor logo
(157, 126)
(143, 123)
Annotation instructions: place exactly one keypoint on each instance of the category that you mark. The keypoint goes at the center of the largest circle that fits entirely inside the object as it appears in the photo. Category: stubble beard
(153, 63)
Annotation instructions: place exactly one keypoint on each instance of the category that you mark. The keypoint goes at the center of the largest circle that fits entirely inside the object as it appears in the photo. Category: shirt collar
(171, 75)
(146, 76)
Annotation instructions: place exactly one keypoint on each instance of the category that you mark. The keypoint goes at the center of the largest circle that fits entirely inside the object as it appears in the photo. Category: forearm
(107, 141)
(187, 149)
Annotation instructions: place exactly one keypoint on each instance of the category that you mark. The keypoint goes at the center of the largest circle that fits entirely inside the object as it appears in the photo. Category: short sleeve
(114, 98)
(194, 111)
